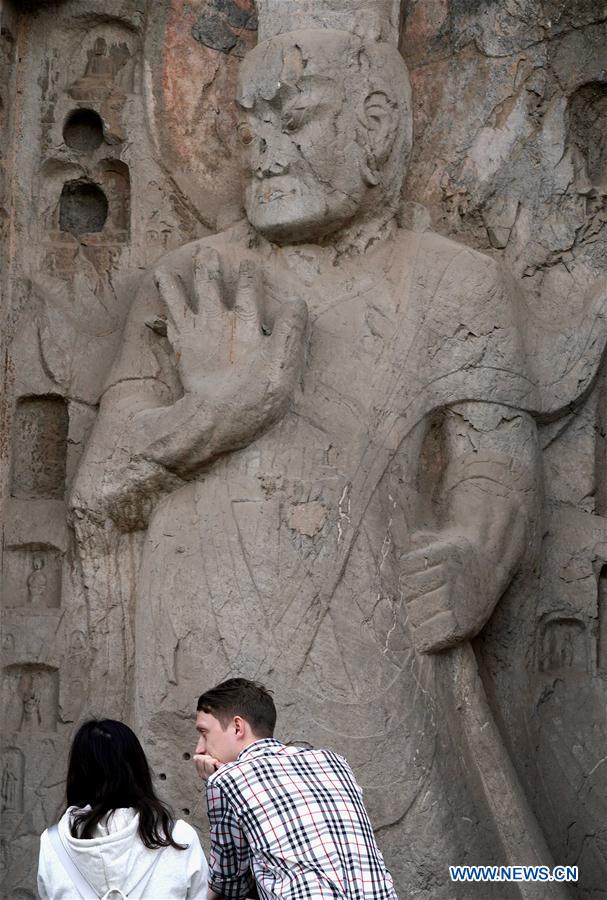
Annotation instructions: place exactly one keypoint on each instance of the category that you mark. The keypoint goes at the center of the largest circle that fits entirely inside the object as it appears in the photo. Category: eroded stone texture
(86, 204)
(339, 449)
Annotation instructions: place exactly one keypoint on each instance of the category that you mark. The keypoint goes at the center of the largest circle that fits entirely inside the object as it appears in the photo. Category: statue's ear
(380, 116)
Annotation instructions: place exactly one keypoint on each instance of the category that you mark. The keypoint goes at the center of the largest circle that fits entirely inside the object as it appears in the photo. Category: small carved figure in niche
(8, 643)
(103, 84)
(114, 176)
(100, 64)
(37, 583)
(587, 138)
(587, 119)
(77, 642)
(30, 698)
(562, 648)
(9, 785)
(98, 75)
(101, 70)
(5, 857)
(77, 698)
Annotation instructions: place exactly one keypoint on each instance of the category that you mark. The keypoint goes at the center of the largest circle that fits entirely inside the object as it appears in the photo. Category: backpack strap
(85, 890)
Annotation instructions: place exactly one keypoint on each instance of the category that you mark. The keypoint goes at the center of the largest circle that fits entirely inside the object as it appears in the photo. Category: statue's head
(325, 117)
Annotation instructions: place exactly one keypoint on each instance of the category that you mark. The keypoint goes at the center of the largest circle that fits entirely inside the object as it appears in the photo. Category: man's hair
(239, 697)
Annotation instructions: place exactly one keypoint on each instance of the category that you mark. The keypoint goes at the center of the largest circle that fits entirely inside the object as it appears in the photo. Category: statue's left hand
(446, 590)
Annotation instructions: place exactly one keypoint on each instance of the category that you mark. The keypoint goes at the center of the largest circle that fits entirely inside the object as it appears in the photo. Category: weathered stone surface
(352, 444)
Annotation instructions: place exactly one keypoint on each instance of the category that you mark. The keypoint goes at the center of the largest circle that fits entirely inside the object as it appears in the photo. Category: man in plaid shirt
(291, 820)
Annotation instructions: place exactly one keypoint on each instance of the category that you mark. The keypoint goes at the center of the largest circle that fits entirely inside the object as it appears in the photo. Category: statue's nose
(270, 158)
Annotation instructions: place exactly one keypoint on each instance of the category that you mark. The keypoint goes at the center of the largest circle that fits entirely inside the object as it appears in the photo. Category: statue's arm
(216, 378)
(485, 523)
(142, 381)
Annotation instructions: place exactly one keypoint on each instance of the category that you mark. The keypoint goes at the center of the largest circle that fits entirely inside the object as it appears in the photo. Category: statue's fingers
(423, 609)
(425, 557)
(424, 580)
(208, 279)
(436, 633)
(175, 298)
(249, 299)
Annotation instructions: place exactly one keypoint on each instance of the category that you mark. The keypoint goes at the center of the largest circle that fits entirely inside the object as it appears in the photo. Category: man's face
(214, 740)
(298, 131)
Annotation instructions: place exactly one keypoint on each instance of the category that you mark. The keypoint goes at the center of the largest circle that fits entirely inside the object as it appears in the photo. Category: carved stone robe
(279, 562)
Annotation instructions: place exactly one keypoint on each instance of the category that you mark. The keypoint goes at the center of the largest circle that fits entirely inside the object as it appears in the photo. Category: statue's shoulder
(444, 254)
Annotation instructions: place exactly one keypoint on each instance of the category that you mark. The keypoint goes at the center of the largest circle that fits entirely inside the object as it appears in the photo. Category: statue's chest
(349, 364)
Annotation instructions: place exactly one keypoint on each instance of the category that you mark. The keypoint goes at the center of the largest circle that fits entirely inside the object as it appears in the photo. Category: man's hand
(446, 590)
(206, 765)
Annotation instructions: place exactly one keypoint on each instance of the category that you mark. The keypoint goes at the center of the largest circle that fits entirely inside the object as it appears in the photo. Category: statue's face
(303, 165)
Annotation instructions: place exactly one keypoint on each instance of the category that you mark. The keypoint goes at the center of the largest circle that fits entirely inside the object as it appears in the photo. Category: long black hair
(108, 770)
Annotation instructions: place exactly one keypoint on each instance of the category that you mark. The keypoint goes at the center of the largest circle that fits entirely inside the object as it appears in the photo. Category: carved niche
(31, 577)
(12, 767)
(30, 698)
(39, 448)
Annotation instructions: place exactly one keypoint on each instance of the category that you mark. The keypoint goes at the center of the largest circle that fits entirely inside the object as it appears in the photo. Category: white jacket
(116, 858)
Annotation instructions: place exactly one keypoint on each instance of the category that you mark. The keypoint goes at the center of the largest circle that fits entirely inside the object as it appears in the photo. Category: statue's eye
(245, 134)
(292, 119)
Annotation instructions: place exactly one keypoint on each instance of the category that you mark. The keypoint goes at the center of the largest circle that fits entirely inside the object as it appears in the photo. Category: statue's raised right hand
(230, 346)
(239, 355)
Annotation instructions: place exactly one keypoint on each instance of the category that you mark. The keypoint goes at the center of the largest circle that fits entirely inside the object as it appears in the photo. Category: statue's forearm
(491, 489)
(181, 438)
(194, 431)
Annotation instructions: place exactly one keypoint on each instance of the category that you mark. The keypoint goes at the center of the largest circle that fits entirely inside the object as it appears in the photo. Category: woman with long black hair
(116, 838)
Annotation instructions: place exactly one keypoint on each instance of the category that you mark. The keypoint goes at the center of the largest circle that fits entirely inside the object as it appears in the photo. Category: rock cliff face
(314, 395)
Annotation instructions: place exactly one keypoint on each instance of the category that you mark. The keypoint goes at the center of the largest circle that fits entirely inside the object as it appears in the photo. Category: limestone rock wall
(510, 156)
(91, 192)
(117, 144)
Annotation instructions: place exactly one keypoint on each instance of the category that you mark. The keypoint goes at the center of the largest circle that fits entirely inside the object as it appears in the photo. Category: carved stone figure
(37, 583)
(11, 782)
(30, 699)
(326, 423)
(8, 788)
(100, 71)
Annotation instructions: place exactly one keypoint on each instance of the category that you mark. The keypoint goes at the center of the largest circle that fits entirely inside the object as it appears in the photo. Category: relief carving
(37, 583)
(267, 420)
(39, 448)
(107, 78)
(564, 646)
(339, 449)
(31, 576)
(11, 780)
(30, 698)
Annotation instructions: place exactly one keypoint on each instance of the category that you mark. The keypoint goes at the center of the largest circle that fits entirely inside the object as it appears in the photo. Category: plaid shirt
(294, 819)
